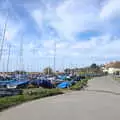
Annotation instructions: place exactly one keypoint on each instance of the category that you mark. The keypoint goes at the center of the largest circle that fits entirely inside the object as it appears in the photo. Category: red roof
(113, 65)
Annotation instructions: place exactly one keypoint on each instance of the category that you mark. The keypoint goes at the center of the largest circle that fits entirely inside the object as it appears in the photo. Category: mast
(8, 59)
(49, 66)
(21, 68)
(63, 64)
(3, 37)
(21, 55)
(54, 56)
(3, 67)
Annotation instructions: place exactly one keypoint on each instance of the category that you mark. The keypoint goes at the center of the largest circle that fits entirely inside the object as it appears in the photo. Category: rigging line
(3, 37)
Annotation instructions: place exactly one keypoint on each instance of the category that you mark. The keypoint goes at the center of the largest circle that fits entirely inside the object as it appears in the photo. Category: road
(100, 101)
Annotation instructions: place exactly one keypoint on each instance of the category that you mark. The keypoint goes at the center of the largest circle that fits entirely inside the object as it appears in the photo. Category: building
(112, 67)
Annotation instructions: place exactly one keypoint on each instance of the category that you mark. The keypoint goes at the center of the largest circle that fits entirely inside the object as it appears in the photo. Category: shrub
(79, 85)
(7, 102)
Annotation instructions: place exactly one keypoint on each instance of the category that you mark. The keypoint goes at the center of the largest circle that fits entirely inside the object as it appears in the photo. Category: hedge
(79, 85)
(7, 102)
(32, 94)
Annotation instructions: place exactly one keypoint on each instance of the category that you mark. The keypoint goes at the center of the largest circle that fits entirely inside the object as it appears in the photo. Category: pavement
(99, 101)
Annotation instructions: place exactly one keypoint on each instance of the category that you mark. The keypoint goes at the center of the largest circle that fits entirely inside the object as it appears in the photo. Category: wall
(113, 70)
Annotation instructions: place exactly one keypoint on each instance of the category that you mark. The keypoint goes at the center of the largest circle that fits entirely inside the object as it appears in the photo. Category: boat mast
(9, 51)
(63, 64)
(21, 55)
(49, 66)
(54, 56)
(3, 37)
(21, 58)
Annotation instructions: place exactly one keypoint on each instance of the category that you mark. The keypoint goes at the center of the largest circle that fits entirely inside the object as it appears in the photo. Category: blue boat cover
(6, 82)
(42, 83)
(64, 84)
(62, 77)
(14, 82)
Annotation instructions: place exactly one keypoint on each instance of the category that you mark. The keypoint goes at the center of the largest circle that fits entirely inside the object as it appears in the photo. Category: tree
(94, 66)
(67, 70)
(19, 72)
(48, 70)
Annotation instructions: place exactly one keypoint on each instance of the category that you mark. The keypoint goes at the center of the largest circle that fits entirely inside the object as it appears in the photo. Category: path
(98, 102)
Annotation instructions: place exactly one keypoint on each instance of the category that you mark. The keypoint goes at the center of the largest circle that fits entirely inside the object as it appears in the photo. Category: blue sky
(85, 31)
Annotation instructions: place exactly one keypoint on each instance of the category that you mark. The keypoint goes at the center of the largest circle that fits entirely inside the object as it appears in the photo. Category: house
(112, 67)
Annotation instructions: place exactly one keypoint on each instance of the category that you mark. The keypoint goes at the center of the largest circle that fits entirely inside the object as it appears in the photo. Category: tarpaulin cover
(17, 82)
(64, 84)
(62, 77)
(14, 82)
(42, 83)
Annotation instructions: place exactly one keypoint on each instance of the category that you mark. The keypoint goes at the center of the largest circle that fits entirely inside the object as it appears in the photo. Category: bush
(84, 82)
(7, 102)
(10, 101)
(79, 85)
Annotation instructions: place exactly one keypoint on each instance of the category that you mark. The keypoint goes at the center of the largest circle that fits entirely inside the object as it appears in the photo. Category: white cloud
(69, 18)
(38, 16)
(110, 10)
(49, 44)
(75, 17)
(12, 28)
(110, 17)
(61, 45)
(85, 44)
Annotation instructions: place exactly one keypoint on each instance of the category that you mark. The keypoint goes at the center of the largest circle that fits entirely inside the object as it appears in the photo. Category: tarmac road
(100, 101)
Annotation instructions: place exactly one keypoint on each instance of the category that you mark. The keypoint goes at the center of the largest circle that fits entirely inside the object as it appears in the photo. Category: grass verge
(116, 78)
(79, 85)
(7, 102)
(36, 93)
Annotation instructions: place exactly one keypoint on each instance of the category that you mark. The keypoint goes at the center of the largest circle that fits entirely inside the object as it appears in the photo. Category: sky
(85, 32)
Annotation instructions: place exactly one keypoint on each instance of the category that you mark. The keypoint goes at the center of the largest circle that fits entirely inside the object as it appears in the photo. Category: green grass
(118, 79)
(29, 95)
(37, 93)
(79, 85)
